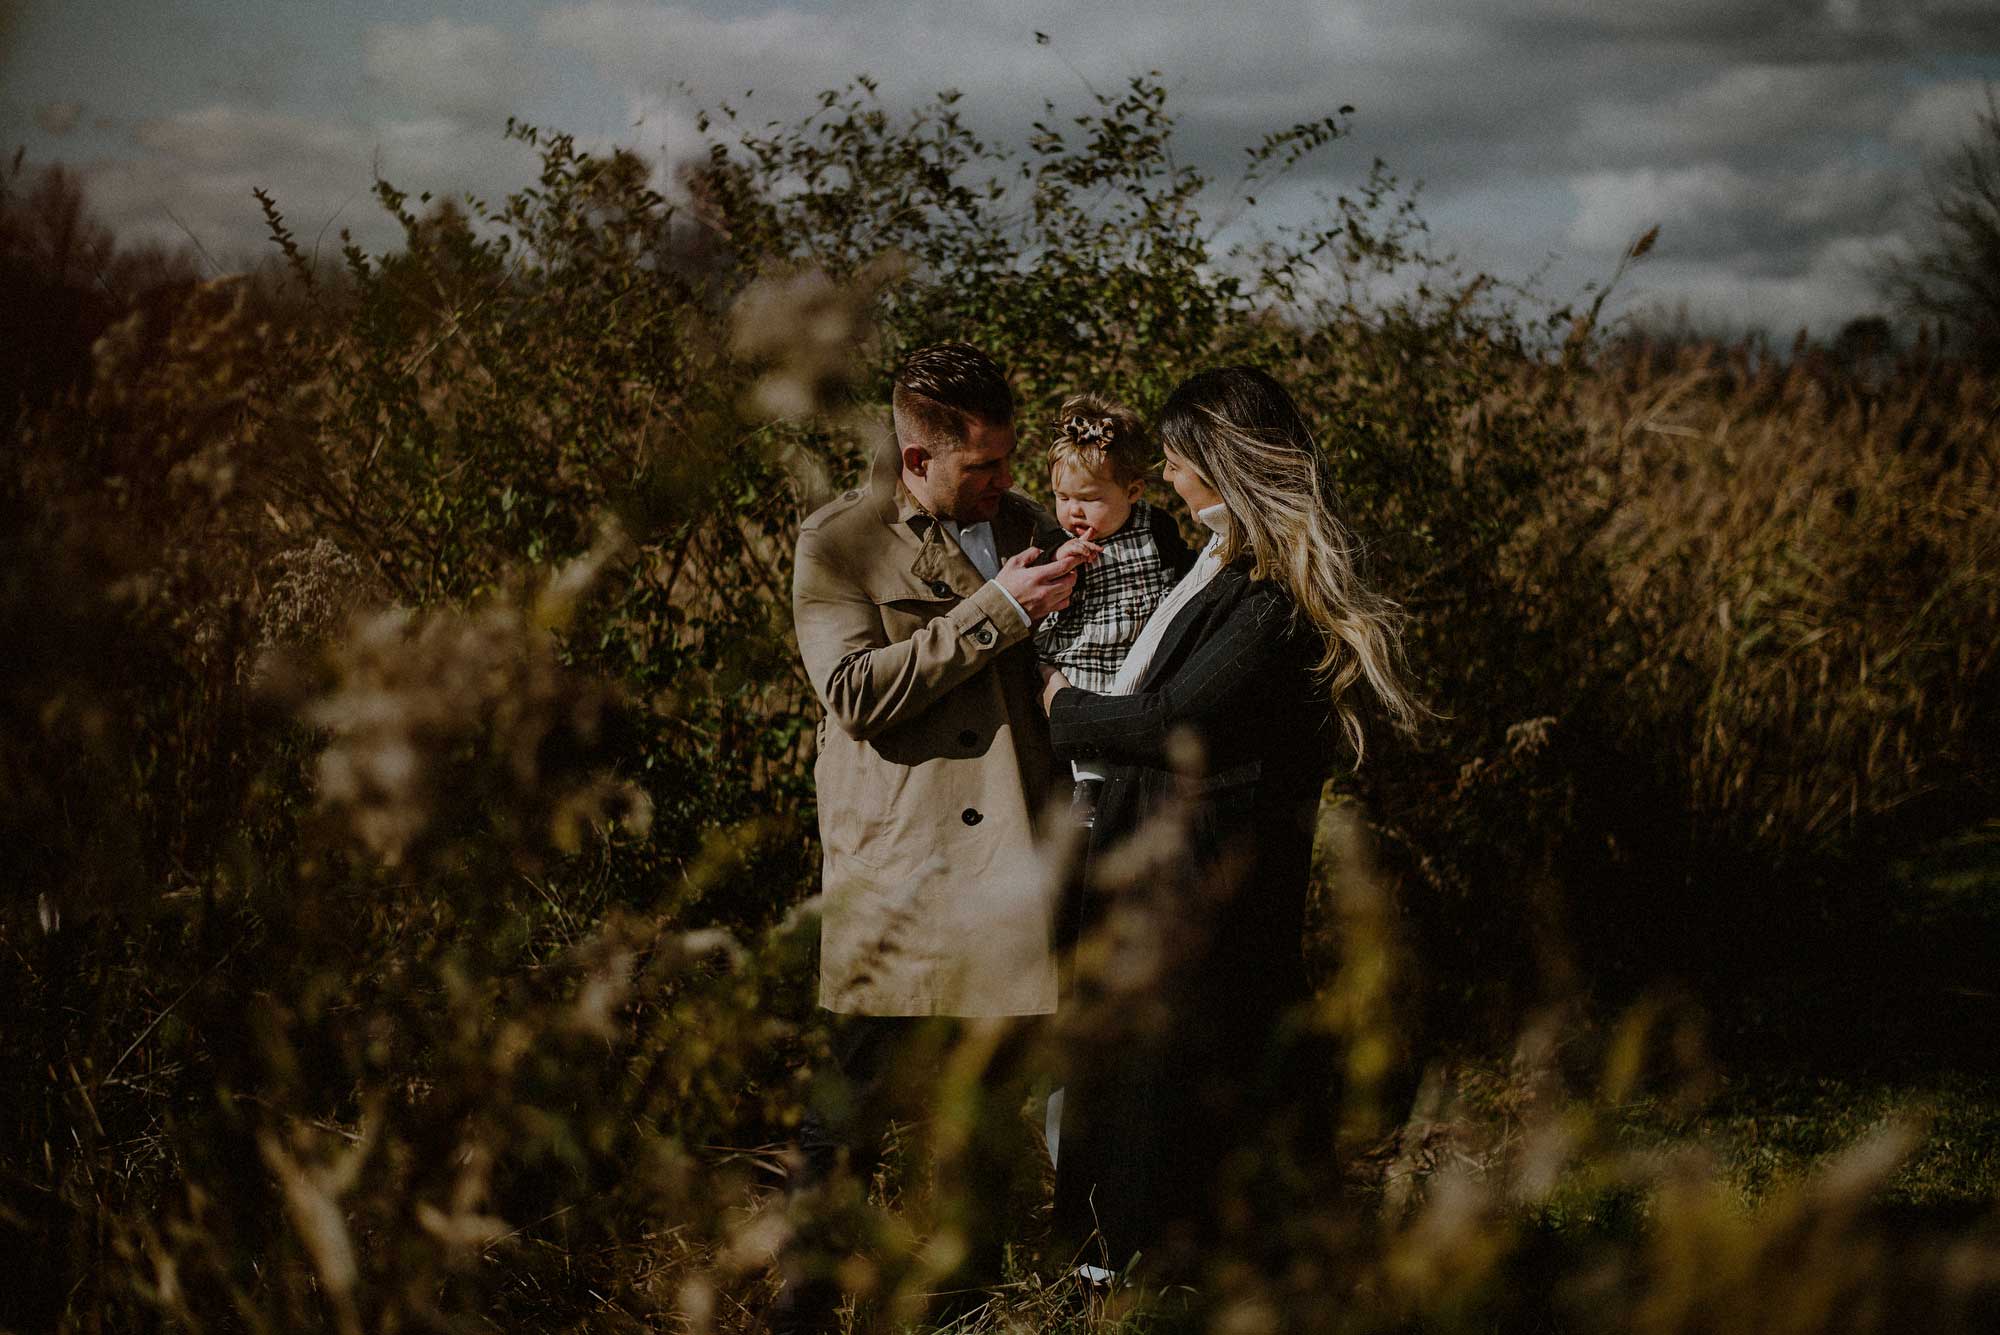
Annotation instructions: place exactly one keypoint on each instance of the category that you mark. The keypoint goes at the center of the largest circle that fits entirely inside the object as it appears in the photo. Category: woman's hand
(1052, 681)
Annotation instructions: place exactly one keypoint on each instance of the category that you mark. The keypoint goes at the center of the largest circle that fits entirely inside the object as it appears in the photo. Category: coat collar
(1227, 581)
(936, 559)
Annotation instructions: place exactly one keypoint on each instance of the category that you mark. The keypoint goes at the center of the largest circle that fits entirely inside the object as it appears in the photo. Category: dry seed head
(811, 332)
(402, 695)
(696, 1299)
(316, 588)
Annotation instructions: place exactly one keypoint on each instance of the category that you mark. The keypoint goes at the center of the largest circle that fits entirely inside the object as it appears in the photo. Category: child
(1097, 465)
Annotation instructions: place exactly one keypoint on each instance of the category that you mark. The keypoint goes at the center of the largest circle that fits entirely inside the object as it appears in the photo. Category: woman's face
(1187, 483)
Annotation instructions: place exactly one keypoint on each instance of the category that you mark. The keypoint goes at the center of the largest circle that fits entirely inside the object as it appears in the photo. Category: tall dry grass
(1812, 564)
(1731, 653)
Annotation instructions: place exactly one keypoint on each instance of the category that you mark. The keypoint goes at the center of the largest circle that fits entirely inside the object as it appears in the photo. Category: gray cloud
(1719, 213)
(1749, 109)
(1777, 31)
(58, 117)
(257, 71)
(197, 170)
(1940, 116)
(1775, 143)
(1725, 122)
(459, 69)
(1829, 289)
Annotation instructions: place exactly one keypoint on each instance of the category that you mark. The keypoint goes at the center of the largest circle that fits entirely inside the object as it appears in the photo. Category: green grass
(1771, 1129)
(1898, 1020)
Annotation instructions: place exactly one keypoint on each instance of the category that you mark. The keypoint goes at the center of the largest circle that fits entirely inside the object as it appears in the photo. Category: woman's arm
(1231, 673)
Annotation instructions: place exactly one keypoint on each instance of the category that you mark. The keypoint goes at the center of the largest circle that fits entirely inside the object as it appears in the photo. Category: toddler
(1097, 466)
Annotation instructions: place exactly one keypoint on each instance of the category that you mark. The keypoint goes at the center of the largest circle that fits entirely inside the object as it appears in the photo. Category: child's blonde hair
(1091, 429)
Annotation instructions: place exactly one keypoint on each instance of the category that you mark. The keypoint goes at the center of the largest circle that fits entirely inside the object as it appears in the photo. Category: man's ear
(916, 460)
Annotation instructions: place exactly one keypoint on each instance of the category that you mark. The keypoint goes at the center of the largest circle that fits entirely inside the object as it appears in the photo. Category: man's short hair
(943, 389)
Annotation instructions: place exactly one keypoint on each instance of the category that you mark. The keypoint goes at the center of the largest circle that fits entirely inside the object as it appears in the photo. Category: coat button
(970, 817)
(983, 637)
(968, 738)
(940, 588)
(854, 495)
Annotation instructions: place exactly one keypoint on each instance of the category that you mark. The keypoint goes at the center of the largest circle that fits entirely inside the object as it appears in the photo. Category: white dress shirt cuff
(1027, 622)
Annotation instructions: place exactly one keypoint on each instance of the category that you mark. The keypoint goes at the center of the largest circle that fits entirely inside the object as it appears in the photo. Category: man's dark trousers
(884, 1070)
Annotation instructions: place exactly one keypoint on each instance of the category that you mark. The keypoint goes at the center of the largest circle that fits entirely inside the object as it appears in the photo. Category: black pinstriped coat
(1145, 1132)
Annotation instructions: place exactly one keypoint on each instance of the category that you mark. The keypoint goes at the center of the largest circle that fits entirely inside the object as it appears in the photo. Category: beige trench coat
(934, 762)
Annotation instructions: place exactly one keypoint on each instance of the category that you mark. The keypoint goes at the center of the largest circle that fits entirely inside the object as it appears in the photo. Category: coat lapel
(1196, 613)
(941, 562)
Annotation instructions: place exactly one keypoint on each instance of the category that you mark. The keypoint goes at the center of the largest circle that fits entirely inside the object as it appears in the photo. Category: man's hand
(1053, 681)
(1039, 590)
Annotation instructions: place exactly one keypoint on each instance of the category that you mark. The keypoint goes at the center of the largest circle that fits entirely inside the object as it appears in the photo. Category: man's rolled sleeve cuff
(1027, 622)
(991, 618)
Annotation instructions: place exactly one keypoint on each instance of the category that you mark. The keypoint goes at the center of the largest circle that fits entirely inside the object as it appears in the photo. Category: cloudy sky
(1778, 143)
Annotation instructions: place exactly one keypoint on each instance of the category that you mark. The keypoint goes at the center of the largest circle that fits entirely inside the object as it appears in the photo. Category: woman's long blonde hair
(1242, 434)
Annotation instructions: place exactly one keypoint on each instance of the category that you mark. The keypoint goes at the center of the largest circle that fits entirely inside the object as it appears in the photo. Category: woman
(1217, 736)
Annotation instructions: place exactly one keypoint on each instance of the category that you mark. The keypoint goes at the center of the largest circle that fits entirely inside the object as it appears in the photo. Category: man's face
(965, 484)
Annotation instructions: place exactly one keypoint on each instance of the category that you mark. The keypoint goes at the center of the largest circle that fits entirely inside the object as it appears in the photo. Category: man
(913, 599)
